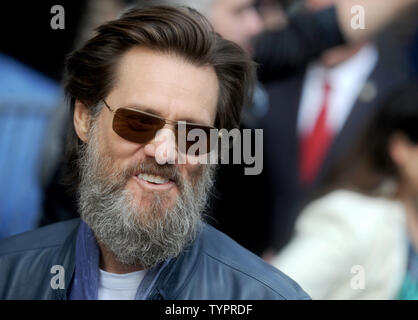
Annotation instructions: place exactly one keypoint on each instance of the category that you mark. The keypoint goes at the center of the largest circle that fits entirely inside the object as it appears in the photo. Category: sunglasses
(141, 127)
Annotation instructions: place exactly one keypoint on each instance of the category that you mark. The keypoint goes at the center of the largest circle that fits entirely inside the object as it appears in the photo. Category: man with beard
(138, 81)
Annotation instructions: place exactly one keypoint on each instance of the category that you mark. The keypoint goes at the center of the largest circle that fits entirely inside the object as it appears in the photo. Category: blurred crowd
(336, 205)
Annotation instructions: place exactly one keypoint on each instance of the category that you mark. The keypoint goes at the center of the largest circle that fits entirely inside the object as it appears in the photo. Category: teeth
(152, 178)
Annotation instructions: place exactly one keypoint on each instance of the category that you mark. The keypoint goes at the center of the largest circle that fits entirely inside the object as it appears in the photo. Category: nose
(163, 147)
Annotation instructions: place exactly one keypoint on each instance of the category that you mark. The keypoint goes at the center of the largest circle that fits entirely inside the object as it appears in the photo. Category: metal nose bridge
(169, 122)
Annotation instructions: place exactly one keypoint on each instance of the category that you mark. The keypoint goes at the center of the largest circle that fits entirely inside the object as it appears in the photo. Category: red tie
(314, 144)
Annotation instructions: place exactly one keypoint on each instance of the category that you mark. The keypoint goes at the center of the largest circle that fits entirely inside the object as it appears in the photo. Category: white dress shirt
(346, 80)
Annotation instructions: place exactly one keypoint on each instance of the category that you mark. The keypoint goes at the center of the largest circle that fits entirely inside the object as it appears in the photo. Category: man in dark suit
(315, 116)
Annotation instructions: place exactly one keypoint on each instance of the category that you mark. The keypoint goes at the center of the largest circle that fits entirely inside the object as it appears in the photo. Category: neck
(109, 263)
(335, 56)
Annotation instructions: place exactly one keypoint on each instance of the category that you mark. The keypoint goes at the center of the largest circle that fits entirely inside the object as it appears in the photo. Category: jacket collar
(81, 255)
(66, 258)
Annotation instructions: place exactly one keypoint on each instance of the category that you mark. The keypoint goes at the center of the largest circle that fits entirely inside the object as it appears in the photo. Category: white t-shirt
(114, 286)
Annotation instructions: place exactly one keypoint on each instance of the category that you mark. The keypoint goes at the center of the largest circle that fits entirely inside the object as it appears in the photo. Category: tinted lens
(197, 137)
(135, 126)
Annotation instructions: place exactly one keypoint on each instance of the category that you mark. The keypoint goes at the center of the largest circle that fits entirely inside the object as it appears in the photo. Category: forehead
(167, 85)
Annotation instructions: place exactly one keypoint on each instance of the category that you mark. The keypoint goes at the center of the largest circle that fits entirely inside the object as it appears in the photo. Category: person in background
(306, 34)
(30, 69)
(27, 100)
(359, 238)
(317, 113)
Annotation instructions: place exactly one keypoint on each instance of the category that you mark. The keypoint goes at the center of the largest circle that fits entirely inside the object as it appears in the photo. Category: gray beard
(135, 235)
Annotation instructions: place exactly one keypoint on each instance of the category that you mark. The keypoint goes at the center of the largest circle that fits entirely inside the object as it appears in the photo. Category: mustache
(148, 166)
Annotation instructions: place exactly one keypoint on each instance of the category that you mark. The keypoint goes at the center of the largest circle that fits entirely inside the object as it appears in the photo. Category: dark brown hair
(91, 70)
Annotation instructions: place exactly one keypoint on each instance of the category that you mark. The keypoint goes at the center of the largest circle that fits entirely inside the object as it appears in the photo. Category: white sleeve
(332, 236)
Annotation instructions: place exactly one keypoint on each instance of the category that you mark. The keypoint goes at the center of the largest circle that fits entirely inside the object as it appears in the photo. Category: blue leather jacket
(212, 267)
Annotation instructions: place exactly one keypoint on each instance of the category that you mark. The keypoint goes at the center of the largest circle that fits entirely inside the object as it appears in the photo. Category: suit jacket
(281, 141)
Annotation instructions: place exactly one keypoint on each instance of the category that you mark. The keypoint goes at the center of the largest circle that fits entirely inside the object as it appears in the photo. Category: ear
(81, 120)
(398, 147)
